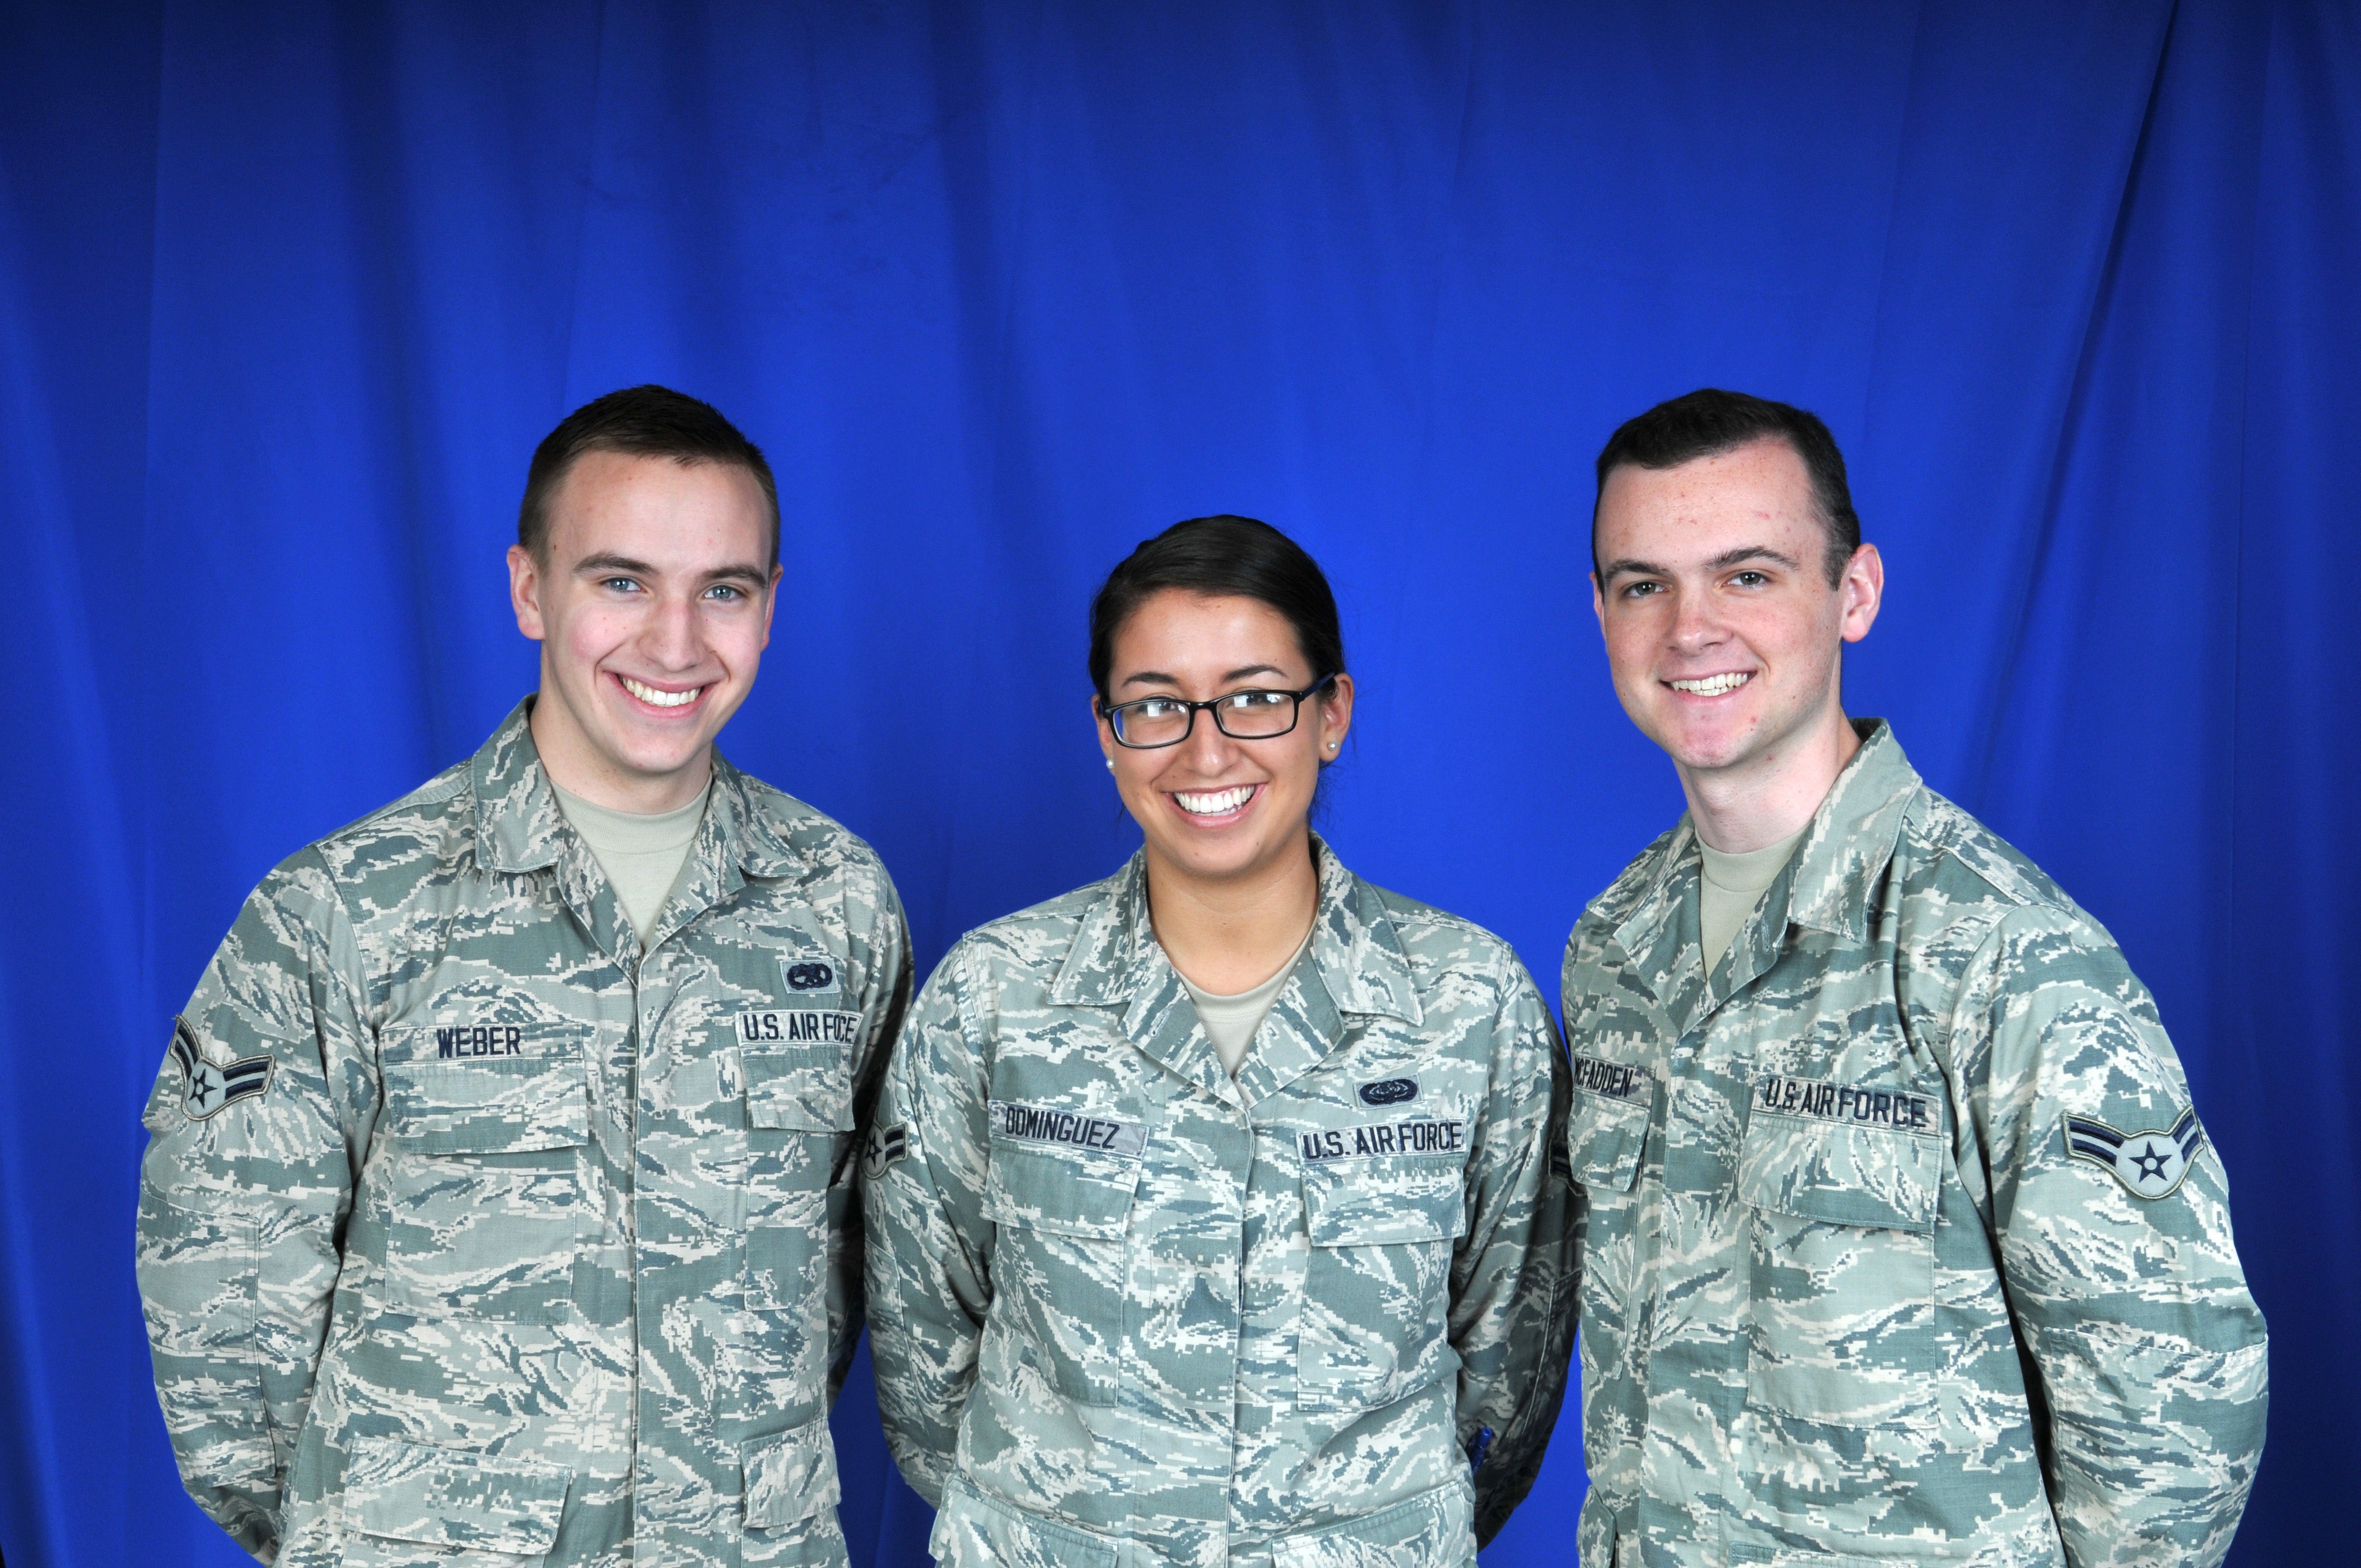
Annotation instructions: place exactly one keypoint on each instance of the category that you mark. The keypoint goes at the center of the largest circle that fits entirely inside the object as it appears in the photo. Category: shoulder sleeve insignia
(2150, 1164)
(208, 1087)
(886, 1144)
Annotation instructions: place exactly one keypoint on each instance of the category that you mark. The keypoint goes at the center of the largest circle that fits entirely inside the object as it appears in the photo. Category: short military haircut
(1710, 421)
(639, 421)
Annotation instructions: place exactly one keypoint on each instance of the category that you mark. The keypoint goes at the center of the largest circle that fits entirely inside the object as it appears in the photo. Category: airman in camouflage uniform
(1127, 1308)
(474, 1230)
(1901, 1241)
(522, 1240)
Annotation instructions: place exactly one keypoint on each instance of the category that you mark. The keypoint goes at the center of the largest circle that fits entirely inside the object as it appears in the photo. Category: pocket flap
(505, 1104)
(1067, 1194)
(437, 1496)
(1373, 1202)
(1840, 1174)
(1605, 1138)
(804, 1088)
(791, 1476)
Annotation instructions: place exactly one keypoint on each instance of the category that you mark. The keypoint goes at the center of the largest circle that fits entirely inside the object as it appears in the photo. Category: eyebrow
(736, 571)
(1722, 562)
(1158, 677)
(1750, 552)
(1636, 568)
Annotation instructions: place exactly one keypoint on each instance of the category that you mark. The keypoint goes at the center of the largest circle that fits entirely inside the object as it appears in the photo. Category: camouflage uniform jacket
(465, 1227)
(1864, 1280)
(1125, 1310)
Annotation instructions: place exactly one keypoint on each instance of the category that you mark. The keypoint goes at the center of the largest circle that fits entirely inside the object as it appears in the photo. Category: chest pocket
(799, 1088)
(1376, 1289)
(484, 1205)
(1059, 1262)
(1841, 1284)
(1605, 1141)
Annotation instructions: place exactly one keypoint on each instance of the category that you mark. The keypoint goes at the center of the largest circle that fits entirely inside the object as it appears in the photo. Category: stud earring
(1110, 762)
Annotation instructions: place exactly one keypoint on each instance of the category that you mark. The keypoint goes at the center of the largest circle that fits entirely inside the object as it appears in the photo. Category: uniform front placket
(1688, 1325)
(1203, 1387)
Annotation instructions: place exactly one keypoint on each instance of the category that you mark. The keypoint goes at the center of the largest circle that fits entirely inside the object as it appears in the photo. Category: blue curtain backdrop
(288, 292)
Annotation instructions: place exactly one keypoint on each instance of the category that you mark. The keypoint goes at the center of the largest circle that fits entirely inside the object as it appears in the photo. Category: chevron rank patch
(2150, 1164)
(208, 1087)
(886, 1144)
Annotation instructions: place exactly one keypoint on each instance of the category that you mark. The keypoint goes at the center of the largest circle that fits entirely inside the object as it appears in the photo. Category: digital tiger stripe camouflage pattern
(532, 1247)
(1830, 1220)
(1125, 1309)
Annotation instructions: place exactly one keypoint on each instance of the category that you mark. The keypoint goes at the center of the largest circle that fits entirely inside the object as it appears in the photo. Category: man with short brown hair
(1901, 1240)
(499, 1194)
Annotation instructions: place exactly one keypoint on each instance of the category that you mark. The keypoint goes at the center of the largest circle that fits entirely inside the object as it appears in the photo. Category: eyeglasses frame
(1108, 710)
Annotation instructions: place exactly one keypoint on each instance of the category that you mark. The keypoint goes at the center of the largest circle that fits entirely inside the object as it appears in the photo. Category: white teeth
(1212, 802)
(1714, 685)
(655, 698)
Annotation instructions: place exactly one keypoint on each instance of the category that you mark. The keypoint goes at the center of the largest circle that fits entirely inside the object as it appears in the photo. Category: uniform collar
(1824, 886)
(519, 827)
(1355, 966)
(1354, 944)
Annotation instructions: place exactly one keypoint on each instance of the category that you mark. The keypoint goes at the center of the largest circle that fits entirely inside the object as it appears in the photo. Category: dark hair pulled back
(1222, 556)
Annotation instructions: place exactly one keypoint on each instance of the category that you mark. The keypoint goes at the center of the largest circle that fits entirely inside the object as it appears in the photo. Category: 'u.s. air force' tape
(208, 1088)
(2150, 1164)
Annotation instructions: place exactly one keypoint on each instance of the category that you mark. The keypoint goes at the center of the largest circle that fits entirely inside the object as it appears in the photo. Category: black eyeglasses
(1250, 715)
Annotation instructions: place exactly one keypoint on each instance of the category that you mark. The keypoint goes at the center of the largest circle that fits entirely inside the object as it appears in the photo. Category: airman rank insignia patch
(209, 1087)
(886, 1144)
(2150, 1164)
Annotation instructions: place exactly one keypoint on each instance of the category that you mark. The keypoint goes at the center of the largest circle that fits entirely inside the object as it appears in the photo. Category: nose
(1206, 749)
(1696, 622)
(672, 636)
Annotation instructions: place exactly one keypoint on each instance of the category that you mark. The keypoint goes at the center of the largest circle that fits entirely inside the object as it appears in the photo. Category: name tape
(1066, 1129)
(1615, 1079)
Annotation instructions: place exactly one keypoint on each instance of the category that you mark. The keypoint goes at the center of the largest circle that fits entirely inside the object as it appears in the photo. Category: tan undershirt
(1733, 885)
(1231, 1022)
(642, 856)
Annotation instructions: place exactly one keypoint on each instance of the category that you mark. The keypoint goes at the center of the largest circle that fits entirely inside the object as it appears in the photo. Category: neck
(1772, 796)
(1231, 934)
(572, 767)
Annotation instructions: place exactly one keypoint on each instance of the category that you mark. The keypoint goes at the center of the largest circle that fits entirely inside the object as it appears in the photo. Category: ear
(771, 602)
(1336, 715)
(1105, 729)
(524, 590)
(1598, 602)
(1861, 590)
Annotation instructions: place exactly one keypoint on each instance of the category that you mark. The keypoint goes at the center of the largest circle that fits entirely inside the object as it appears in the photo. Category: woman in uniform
(1212, 1210)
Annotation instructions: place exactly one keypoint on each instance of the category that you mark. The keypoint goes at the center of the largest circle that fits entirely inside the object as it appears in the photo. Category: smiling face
(652, 609)
(1213, 809)
(1723, 634)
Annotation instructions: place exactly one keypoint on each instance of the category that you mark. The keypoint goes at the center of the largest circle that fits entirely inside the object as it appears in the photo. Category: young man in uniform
(498, 1196)
(1902, 1241)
